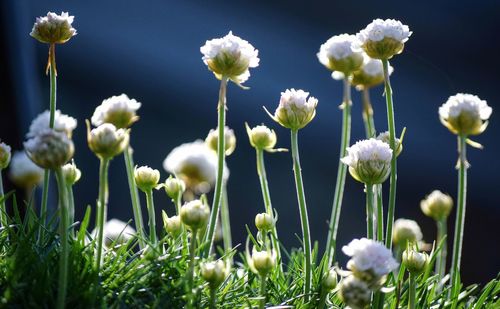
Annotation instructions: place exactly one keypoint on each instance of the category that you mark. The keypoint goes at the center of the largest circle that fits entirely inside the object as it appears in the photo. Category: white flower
(383, 39)
(385, 137)
(195, 164)
(369, 256)
(437, 205)
(194, 214)
(117, 110)
(106, 141)
(62, 123)
(341, 53)
(369, 161)
(50, 149)
(53, 28)
(116, 232)
(465, 114)
(5, 153)
(295, 110)
(23, 172)
(230, 57)
(406, 231)
(146, 178)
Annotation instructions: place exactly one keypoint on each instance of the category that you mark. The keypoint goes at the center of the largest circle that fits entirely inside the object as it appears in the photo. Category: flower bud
(195, 214)
(50, 149)
(120, 111)
(370, 74)
(214, 273)
(146, 178)
(264, 222)
(230, 140)
(406, 231)
(261, 137)
(263, 261)
(71, 173)
(5, 155)
(369, 161)
(172, 225)
(437, 205)
(174, 187)
(414, 261)
(106, 141)
(354, 293)
(295, 110)
(465, 114)
(53, 28)
(385, 137)
(382, 39)
(341, 53)
(23, 172)
(330, 280)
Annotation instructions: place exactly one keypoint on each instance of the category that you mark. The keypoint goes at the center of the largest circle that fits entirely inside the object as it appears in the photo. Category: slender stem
(304, 220)
(263, 295)
(221, 107)
(101, 210)
(178, 204)
(380, 213)
(226, 224)
(412, 292)
(368, 114)
(341, 174)
(190, 274)
(441, 259)
(63, 231)
(213, 298)
(261, 171)
(71, 207)
(134, 196)
(392, 143)
(460, 219)
(152, 218)
(43, 208)
(322, 298)
(370, 230)
(3, 210)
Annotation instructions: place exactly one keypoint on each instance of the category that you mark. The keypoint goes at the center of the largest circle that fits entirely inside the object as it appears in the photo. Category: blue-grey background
(150, 50)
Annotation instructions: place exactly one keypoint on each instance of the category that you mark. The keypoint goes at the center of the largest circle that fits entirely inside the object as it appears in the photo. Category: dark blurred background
(150, 50)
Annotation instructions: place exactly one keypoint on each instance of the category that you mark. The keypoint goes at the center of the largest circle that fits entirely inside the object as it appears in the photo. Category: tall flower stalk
(134, 196)
(63, 231)
(101, 210)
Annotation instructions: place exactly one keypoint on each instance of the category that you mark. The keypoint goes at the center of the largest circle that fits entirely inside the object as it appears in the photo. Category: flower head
(23, 172)
(370, 74)
(172, 225)
(264, 222)
(116, 232)
(385, 137)
(437, 205)
(406, 231)
(4, 155)
(62, 123)
(106, 141)
(146, 178)
(195, 214)
(330, 280)
(71, 173)
(261, 137)
(341, 53)
(174, 187)
(50, 149)
(369, 161)
(261, 262)
(195, 164)
(382, 39)
(354, 292)
(230, 57)
(214, 273)
(53, 28)
(117, 110)
(295, 109)
(465, 114)
(212, 140)
(414, 261)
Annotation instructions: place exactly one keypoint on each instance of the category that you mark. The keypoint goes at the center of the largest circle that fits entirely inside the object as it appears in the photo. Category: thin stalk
(178, 204)
(441, 259)
(380, 213)
(412, 291)
(460, 219)
(304, 220)
(43, 208)
(392, 143)
(263, 295)
(63, 231)
(134, 196)
(322, 298)
(368, 120)
(266, 196)
(190, 274)
(71, 207)
(213, 298)
(341, 174)
(3, 210)
(101, 210)
(221, 107)
(152, 219)
(226, 224)
(370, 229)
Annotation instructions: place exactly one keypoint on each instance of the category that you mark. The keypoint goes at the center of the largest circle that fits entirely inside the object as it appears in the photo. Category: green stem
(190, 274)
(43, 208)
(412, 292)
(369, 212)
(261, 171)
(101, 210)
(263, 295)
(134, 196)
(380, 213)
(306, 238)
(152, 219)
(322, 298)
(460, 218)
(63, 231)
(71, 207)
(341, 174)
(392, 143)
(368, 114)
(213, 298)
(178, 205)
(226, 224)
(441, 259)
(221, 107)
(3, 210)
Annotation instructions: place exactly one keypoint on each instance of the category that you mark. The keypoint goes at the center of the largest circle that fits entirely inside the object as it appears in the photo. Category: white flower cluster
(437, 205)
(23, 172)
(338, 47)
(53, 28)
(62, 123)
(369, 161)
(295, 110)
(230, 56)
(379, 29)
(369, 256)
(465, 103)
(406, 231)
(117, 110)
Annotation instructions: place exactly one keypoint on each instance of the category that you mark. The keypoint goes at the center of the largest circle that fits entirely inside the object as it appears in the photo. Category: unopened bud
(172, 225)
(106, 141)
(71, 173)
(174, 187)
(414, 261)
(230, 140)
(330, 280)
(354, 293)
(146, 178)
(214, 273)
(261, 137)
(195, 214)
(264, 222)
(5, 155)
(50, 149)
(437, 205)
(263, 261)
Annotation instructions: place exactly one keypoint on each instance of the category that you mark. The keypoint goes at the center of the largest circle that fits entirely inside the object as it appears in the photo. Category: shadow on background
(150, 50)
